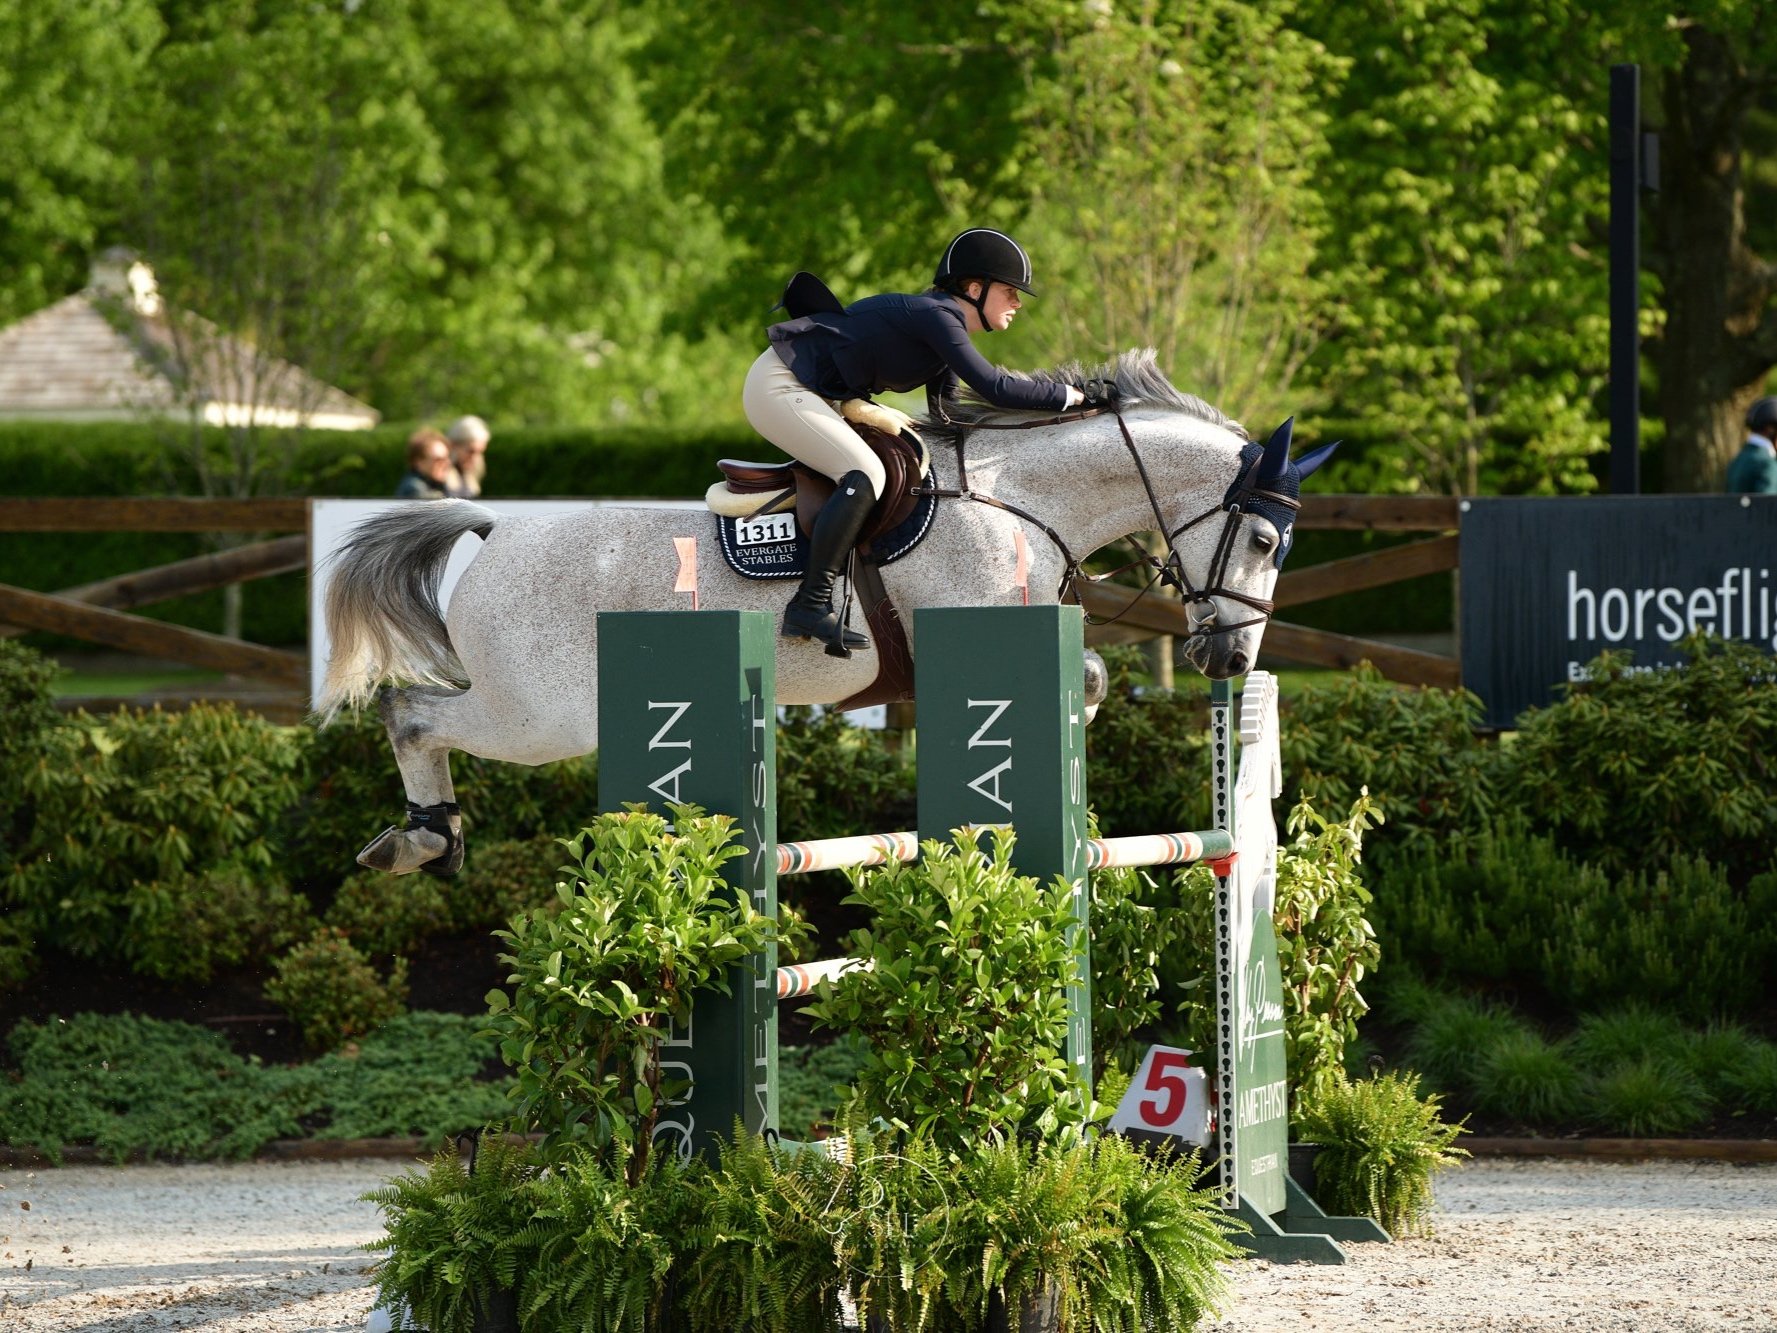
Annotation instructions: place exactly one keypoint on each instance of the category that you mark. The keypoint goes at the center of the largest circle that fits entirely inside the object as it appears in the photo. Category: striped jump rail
(875, 849)
(801, 978)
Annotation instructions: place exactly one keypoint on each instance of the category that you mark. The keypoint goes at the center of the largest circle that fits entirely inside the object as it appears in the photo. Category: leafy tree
(563, 249)
(1173, 156)
(69, 77)
(1473, 321)
(851, 149)
(1717, 343)
(267, 201)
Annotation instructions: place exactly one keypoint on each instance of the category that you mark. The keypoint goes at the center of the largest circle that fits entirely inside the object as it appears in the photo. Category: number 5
(1163, 1079)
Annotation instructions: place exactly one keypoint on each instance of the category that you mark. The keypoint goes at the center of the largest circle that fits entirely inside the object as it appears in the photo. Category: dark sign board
(1548, 584)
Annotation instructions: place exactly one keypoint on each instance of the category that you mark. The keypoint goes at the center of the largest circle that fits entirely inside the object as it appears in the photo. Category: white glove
(891, 420)
(1074, 398)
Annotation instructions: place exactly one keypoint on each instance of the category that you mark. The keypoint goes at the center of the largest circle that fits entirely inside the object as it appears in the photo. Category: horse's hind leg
(432, 838)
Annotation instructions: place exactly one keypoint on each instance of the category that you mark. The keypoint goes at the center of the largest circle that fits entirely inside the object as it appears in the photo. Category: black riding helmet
(992, 256)
(1762, 415)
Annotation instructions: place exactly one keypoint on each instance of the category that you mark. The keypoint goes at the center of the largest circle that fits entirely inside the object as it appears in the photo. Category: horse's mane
(1140, 383)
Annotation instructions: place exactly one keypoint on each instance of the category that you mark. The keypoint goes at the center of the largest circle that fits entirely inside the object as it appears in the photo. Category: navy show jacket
(896, 343)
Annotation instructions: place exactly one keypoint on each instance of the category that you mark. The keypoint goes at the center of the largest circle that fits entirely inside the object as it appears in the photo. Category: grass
(114, 685)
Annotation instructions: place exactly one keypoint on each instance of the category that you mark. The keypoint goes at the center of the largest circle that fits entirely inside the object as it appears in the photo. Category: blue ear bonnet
(1241, 496)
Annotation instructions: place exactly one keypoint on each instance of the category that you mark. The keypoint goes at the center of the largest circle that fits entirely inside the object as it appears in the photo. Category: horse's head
(1164, 461)
(1226, 559)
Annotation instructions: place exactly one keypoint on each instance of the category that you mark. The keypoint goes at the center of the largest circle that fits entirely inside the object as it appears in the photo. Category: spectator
(428, 467)
(468, 456)
(1754, 469)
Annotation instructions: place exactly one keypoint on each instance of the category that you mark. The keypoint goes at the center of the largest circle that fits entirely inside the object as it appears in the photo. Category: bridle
(1171, 568)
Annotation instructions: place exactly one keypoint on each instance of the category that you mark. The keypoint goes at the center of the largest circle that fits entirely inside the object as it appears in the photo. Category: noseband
(1171, 570)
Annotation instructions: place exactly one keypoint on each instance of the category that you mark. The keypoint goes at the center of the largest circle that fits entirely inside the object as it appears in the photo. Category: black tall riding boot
(810, 614)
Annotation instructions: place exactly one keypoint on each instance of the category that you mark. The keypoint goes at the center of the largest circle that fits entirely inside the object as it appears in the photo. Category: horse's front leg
(432, 838)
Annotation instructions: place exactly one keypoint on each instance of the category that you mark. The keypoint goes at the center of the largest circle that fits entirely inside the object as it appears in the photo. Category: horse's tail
(383, 621)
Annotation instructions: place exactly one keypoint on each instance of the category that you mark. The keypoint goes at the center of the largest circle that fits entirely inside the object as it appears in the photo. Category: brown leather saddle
(782, 487)
(792, 485)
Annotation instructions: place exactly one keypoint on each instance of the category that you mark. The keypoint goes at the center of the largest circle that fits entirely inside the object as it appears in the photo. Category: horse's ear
(1277, 453)
(1315, 457)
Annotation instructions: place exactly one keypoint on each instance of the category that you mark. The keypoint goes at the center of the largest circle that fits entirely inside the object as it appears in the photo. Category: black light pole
(1625, 279)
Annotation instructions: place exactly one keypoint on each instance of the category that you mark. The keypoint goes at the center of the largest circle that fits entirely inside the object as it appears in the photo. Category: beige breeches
(803, 424)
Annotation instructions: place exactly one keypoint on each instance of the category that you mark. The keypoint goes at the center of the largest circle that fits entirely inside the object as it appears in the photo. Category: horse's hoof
(401, 851)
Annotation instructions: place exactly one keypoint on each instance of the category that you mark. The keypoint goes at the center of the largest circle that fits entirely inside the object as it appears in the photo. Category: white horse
(508, 674)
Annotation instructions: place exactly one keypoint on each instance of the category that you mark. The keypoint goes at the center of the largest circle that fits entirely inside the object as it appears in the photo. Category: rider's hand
(1101, 393)
(1074, 398)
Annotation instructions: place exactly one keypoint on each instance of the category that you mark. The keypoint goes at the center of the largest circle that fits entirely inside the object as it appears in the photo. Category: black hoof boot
(445, 818)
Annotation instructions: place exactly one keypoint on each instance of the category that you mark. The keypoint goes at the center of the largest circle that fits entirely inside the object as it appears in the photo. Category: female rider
(883, 343)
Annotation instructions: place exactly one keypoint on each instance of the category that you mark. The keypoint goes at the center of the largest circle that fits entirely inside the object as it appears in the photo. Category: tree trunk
(1720, 338)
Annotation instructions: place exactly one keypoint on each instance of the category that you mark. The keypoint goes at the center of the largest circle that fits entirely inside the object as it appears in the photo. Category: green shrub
(963, 1005)
(1642, 770)
(188, 929)
(148, 796)
(1631, 1031)
(1147, 754)
(604, 1248)
(1751, 1088)
(645, 926)
(418, 1074)
(138, 1087)
(503, 878)
(1448, 1044)
(1528, 1080)
(1160, 1263)
(18, 954)
(834, 778)
(1477, 915)
(1717, 1054)
(1681, 936)
(768, 1256)
(815, 1081)
(1415, 749)
(1130, 934)
(147, 1087)
(1648, 1097)
(389, 914)
(331, 990)
(1325, 943)
(1382, 1146)
(27, 703)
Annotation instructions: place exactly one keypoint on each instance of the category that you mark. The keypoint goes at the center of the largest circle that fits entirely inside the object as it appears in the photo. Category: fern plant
(1382, 1145)
(606, 1249)
(767, 1256)
(1161, 1270)
(455, 1236)
(897, 1215)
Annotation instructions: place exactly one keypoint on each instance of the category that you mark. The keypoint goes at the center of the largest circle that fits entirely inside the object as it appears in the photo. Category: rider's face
(1003, 301)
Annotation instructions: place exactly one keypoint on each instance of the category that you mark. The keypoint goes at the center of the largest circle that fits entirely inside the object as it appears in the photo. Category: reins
(1171, 569)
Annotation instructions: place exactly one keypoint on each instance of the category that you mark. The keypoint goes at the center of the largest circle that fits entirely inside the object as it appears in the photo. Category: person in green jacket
(1754, 469)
